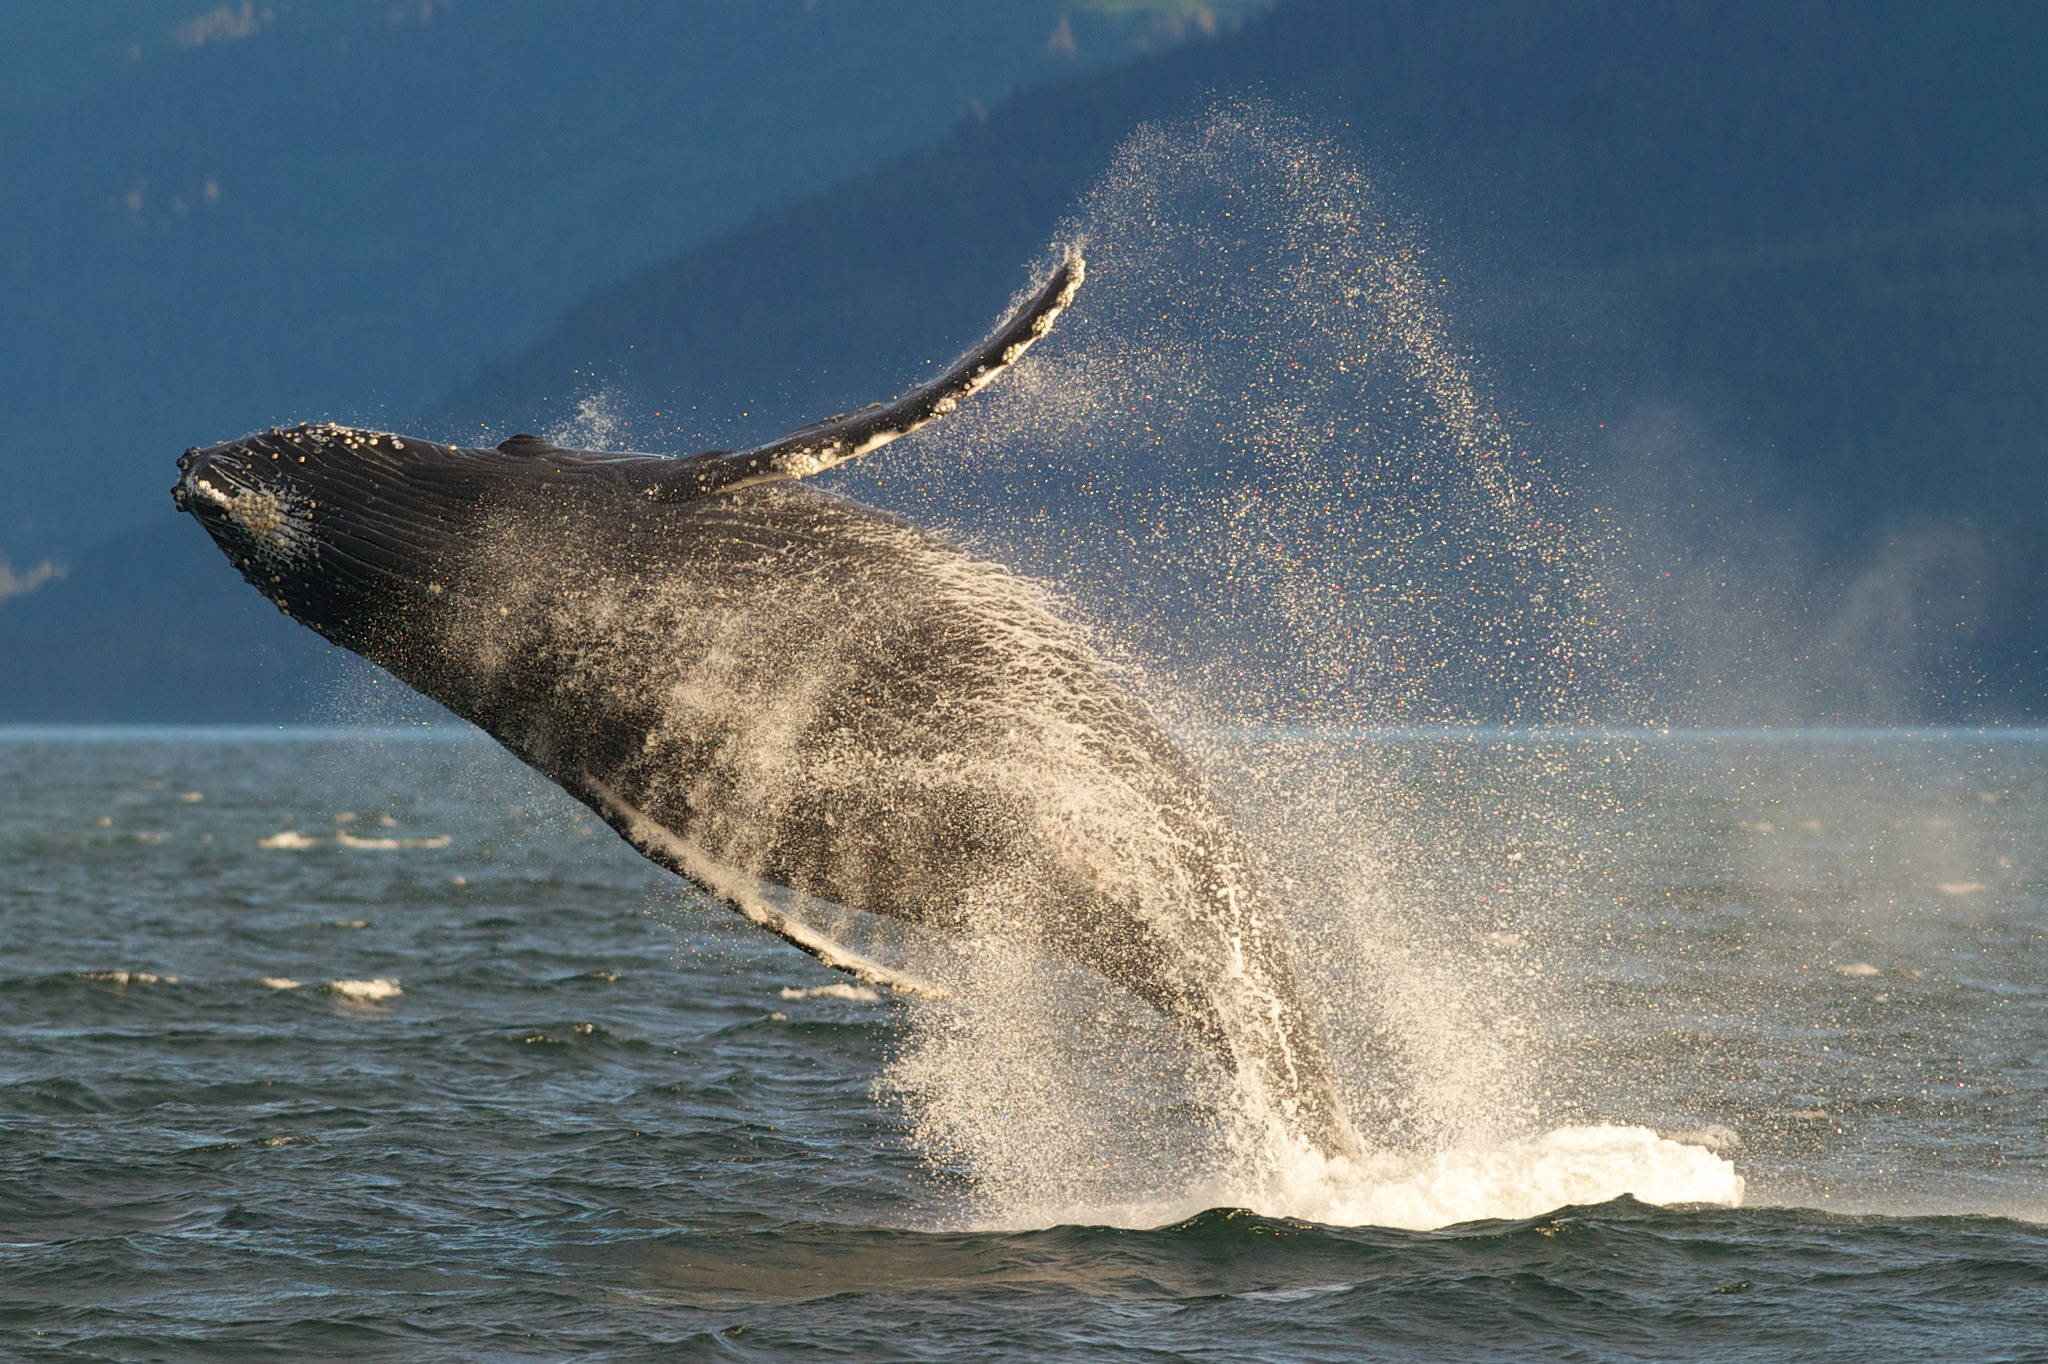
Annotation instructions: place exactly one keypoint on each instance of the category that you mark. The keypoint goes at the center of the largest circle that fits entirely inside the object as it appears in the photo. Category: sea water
(369, 1043)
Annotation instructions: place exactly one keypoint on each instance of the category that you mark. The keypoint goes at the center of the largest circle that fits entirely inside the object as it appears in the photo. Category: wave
(120, 980)
(838, 989)
(372, 991)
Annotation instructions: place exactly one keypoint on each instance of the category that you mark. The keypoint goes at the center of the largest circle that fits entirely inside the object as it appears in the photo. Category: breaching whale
(762, 686)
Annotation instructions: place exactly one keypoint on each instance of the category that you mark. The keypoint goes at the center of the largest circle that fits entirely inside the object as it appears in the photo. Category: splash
(1259, 460)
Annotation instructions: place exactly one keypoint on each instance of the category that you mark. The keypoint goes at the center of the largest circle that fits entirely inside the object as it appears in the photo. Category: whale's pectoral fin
(742, 893)
(848, 436)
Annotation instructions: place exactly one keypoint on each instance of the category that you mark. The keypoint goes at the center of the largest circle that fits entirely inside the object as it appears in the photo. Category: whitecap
(122, 979)
(372, 991)
(277, 982)
(289, 840)
(838, 989)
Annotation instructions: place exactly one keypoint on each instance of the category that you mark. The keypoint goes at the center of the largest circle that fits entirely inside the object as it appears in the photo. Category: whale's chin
(336, 526)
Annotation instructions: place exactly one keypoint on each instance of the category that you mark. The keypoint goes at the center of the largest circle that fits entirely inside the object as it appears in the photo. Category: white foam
(288, 840)
(838, 989)
(1857, 968)
(277, 982)
(1504, 1181)
(372, 991)
(122, 979)
(1525, 1178)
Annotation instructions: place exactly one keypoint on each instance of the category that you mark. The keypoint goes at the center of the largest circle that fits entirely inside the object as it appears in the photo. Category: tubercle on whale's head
(339, 527)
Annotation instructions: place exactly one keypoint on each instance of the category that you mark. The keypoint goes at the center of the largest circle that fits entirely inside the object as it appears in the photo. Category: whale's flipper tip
(817, 447)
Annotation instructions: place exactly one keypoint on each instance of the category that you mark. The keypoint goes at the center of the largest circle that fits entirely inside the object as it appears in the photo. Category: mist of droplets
(1257, 458)
(1257, 450)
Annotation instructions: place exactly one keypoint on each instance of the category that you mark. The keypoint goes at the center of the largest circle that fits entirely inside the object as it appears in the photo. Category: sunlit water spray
(1256, 457)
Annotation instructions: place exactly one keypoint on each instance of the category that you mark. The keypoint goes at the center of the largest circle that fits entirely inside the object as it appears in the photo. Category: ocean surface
(369, 1044)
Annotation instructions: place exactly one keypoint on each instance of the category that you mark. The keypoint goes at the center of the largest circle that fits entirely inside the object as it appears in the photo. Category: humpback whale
(767, 688)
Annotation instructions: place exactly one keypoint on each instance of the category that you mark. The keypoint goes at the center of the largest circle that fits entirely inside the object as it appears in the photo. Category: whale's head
(345, 530)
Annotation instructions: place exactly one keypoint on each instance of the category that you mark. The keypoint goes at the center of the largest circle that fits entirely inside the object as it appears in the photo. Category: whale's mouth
(240, 513)
(208, 485)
